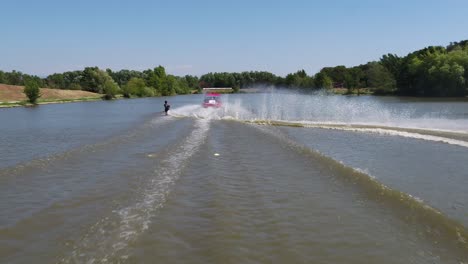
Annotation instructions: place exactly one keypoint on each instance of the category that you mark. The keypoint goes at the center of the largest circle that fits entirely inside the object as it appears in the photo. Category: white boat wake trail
(405, 134)
(108, 240)
(418, 128)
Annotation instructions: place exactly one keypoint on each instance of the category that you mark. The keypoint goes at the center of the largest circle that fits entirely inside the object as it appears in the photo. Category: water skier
(166, 107)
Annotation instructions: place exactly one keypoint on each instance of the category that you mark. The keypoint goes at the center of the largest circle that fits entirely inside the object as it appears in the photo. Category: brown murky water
(368, 180)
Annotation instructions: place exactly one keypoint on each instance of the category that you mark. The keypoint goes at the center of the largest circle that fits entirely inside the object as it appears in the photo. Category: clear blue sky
(196, 37)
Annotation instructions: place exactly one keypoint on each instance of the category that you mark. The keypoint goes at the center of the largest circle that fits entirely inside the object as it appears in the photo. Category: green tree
(157, 79)
(122, 77)
(135, 86)
(74, 86)
(56, 80)
(354, 79)
(434, 71)
(323, 81)
(299, 79)
(72, 80)
(110, 88)
(380, 79)
(126, 91)
(32, 91)
(192, 81)
(337, 74)
(93, 79)
(169, 86)
(96, 80)
(14, 78)
(393, 64)
(183, 86)
(2, 77)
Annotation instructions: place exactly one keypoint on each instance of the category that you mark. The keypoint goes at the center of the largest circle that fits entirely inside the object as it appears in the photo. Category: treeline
(151, 82)
(432, 71)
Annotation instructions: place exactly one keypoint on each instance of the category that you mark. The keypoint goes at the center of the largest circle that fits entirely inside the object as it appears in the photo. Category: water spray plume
(320, 108)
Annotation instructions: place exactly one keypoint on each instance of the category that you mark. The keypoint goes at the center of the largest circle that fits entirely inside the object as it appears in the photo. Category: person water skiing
(166, 107)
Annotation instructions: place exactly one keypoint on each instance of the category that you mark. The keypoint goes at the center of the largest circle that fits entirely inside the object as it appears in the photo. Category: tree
(337, 74)
(92, 79)
(122, 77)
(353, 78)
(74, 86)
(56, 80)
(432, 71)
(299, 79)
(96, 80)
(380, 78)
(183, 86)
(72, 80)
(136, 86)
(109, 88)
(393, 64)
(2, 77)
(457, 45)
(32, 91)
(241, 80)
(192, 81)
(323, 81)
(169, 86)
(14, 78)
(157, 79)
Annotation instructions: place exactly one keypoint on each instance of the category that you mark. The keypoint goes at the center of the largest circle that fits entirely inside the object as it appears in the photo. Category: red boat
(212, 100)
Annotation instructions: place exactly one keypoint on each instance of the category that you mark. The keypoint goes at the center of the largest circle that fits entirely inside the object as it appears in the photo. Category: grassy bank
(13, 96)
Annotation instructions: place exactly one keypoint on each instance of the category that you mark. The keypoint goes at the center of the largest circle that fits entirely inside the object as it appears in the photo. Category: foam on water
(322, 108)
(196, 111)
(107, 241)
(405, 134)
(230, 110)
(334, 112)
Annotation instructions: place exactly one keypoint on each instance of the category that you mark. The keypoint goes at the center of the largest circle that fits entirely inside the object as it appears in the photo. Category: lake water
(268, 178)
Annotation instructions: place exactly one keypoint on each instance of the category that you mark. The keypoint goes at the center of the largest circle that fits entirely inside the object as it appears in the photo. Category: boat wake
(435, 135)
(108, 240)
(409, 207)
(418, 130)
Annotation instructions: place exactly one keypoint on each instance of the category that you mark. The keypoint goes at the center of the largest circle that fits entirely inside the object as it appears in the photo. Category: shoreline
(11, 104)
(14, 96)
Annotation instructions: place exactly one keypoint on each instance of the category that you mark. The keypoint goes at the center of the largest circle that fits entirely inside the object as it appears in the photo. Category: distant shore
(13, 96)
(43, 102)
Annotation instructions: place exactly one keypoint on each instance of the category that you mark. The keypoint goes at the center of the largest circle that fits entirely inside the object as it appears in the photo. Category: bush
(32, 91)
(73, 86)
(137, 87)
(110, 89)
(147, 92)
(126, 92)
